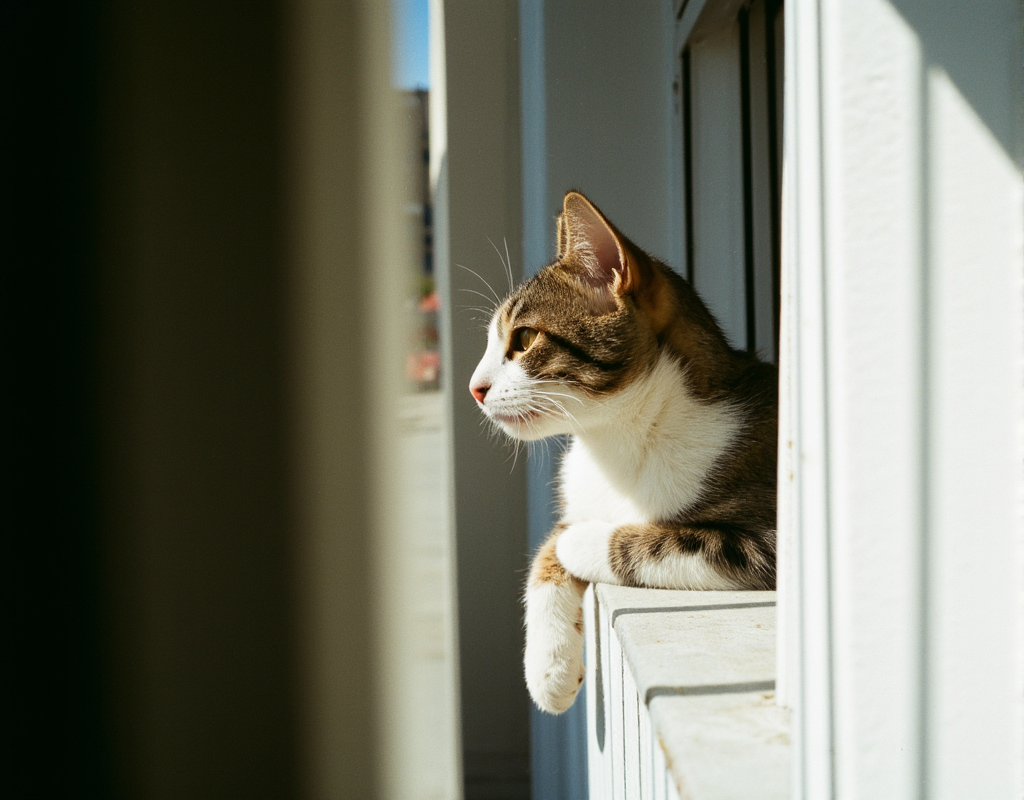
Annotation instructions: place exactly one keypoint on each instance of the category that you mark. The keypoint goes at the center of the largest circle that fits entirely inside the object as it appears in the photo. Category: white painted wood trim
(680, 700)
(903, 281)
(809, 591)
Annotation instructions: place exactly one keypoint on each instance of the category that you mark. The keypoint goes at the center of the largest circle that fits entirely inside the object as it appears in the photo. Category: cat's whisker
(506, 266)
(480, 294)
(481, 277)
(546, 444)
(564, 383)
(550, 397)
(565, 411)
(559, 394)
(533, 448)
(574, 423)
(496, 250)
(508, 258)
(484, 320)
(559, 406)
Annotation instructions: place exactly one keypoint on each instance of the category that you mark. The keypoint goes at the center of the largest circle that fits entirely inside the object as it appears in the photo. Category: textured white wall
(904, 256)
(875, 346)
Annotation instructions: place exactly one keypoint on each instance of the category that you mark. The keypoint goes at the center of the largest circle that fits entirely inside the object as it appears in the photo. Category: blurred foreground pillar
(211, 212)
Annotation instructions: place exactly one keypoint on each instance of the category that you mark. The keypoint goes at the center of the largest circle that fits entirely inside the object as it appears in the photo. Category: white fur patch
(524, 408)
(682, 571)
(554, 645)
(583, 549)
(644, 453)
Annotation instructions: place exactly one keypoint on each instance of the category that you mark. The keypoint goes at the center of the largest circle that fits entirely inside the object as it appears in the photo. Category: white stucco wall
(905, 224)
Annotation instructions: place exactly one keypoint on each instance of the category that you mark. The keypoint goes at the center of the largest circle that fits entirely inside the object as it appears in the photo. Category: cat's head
(568, 341)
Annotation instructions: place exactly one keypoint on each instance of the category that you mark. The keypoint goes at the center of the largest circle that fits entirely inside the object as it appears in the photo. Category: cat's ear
(602, 252)
(563, 238)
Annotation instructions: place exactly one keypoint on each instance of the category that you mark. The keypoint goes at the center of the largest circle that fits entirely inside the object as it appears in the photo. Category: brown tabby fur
(599, 341)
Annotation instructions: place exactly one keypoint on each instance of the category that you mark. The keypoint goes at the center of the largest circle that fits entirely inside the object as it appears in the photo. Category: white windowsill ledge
(702, 668)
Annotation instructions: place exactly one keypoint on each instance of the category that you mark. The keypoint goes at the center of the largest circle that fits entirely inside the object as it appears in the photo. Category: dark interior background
(148, 643)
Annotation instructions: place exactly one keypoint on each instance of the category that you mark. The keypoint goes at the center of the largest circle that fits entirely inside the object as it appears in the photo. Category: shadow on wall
(961, 42)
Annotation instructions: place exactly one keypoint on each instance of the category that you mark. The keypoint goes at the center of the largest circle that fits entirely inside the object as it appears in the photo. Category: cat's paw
(553, 661)
(583, 549)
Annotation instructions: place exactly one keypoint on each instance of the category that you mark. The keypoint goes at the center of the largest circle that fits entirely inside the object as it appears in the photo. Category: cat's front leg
(584, 550)
(554, 631)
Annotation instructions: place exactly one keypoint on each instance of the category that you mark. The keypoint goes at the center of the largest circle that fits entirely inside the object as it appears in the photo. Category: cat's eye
(522, 339)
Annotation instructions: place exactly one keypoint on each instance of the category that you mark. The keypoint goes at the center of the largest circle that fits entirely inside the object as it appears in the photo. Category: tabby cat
(669, 477)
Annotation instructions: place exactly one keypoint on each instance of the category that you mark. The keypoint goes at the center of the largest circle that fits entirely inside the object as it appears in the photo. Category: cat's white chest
(588, 494)
(650, 458)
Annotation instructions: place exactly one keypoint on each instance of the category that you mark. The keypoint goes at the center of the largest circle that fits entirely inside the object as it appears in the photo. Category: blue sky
(409, 65)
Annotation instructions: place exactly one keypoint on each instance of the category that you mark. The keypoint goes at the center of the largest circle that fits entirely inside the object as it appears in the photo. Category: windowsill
(703, 664)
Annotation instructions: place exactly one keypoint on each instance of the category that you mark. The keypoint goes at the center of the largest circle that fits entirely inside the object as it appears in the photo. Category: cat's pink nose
(479, 391)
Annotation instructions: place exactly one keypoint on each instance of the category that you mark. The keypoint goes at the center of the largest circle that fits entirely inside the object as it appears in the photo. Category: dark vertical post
(772, 9)
(748, 187)
(186, 286)
(53, 701)
(194, 401)
(688, 165)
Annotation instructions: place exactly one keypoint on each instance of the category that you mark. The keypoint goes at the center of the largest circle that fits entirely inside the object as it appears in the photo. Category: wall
(476, 170)
(903, 276)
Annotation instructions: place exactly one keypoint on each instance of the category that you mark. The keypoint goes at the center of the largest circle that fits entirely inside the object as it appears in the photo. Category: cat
(668, 480)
